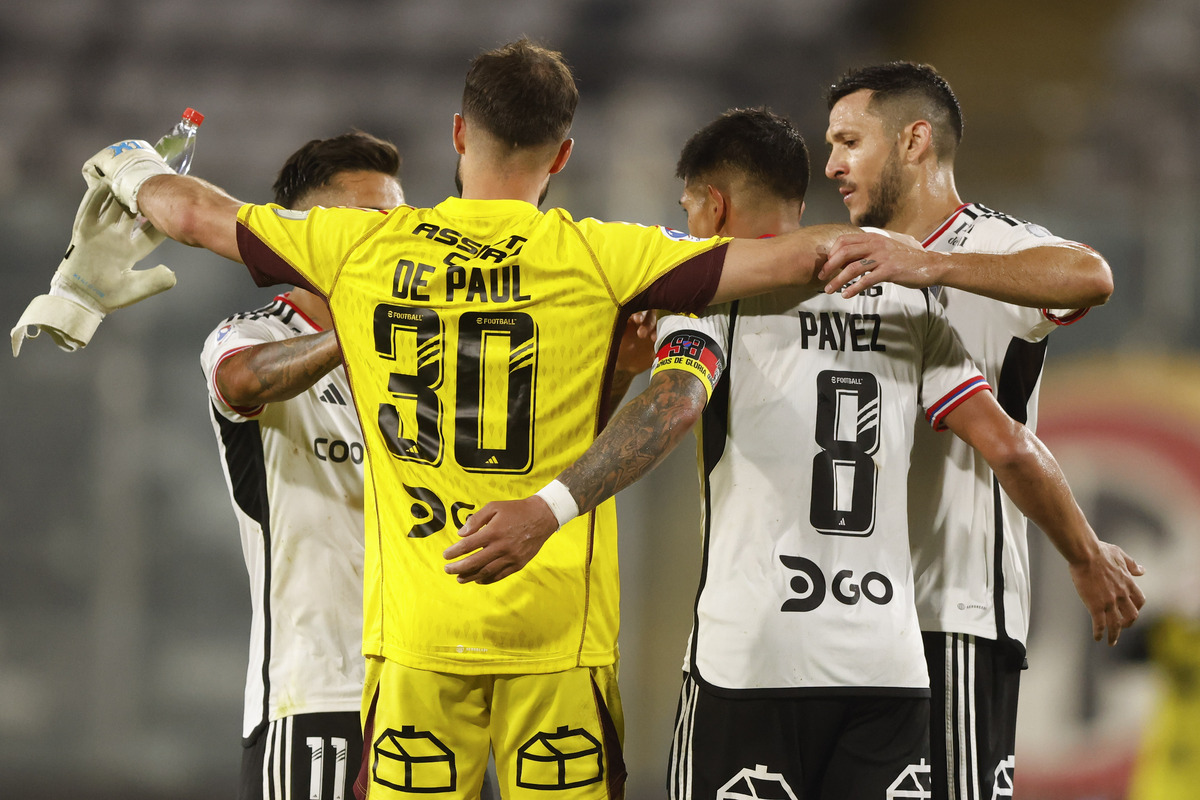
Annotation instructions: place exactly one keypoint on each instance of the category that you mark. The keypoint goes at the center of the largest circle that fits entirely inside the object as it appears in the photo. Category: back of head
(903, 91)
(522, 94)
(314, 165)
(755, 144)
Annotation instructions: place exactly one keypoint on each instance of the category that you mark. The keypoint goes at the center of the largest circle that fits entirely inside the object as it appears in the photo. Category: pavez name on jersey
(478, 336)
(804, 453)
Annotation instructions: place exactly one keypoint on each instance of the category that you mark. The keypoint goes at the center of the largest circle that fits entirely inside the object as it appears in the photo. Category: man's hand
(635, 353)
(1107, 587)
(96, 275)
(858, 261)
(502, 537)
(124, 167)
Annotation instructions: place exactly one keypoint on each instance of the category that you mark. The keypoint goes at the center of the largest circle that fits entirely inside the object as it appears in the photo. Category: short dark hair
(315, 164)
(757, 142)
(522, 93)
(909, 81)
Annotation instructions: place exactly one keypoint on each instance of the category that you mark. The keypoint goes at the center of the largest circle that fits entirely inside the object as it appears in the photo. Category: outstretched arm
(505, 535)
(276, 371)
(1061, 275)
(192, 211)
(756, 266)
(185, 208)
(1103, 573)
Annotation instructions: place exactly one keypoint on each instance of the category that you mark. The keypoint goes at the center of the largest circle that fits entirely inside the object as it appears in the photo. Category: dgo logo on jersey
(811, 587)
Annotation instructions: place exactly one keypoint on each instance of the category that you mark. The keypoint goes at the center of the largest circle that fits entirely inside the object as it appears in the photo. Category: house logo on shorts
(912, 784)
(565, 759)
(411, 761)
(1002, 785)
(756, 784)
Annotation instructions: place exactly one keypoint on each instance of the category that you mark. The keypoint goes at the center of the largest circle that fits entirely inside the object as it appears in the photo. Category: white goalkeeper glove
(96, 275)
(124, 167)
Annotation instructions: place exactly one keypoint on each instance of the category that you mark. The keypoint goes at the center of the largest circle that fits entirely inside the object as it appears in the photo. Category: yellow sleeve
(632, 257)
(278, 244)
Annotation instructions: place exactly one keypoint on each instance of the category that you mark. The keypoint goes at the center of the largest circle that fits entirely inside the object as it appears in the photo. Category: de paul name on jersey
(463, 280)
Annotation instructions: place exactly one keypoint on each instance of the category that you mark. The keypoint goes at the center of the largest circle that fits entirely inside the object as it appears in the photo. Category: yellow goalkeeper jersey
(479, 340)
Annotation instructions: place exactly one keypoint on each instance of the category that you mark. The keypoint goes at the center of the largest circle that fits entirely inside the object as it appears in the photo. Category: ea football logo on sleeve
(678, 236)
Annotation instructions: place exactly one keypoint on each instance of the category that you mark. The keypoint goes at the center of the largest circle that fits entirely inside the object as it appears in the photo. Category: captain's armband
(694, 352)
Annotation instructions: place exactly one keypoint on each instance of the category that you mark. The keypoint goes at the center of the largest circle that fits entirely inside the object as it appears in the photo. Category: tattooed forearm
(620, 387)
(637, 438)
(277, 371)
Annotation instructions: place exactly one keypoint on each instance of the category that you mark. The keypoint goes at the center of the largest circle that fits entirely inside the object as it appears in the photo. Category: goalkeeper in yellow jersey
(478, 336)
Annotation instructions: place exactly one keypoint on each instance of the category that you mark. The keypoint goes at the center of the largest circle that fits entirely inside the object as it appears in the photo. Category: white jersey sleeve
(234, 335)
(978, 229)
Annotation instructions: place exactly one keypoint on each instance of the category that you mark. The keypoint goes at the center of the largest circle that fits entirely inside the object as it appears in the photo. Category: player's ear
(460, 134)
(800, 216)
(718, 207)
(917, 140)
(564, 153)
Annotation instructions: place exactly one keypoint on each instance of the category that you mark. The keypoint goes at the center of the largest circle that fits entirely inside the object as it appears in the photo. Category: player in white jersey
(1004, 284)
(805, 667)
(293, 455)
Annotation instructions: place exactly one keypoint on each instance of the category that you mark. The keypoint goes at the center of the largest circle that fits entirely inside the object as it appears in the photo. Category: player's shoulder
(278, 319)
(976, 227)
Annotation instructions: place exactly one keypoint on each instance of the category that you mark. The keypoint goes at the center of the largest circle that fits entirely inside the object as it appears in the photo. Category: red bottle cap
(193, 116)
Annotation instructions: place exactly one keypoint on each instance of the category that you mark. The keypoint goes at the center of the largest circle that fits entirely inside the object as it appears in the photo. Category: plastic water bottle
(177, 146)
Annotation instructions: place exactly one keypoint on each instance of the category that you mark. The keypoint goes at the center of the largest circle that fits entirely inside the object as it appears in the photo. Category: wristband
(562, 504)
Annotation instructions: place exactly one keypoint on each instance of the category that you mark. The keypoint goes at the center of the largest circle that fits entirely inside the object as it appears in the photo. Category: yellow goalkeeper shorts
(554, 735)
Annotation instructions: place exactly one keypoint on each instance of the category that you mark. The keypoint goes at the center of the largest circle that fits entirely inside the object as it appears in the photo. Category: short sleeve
(307, 248)
(232, 336)
(632, 257)
(948, 375)
(1034, 324)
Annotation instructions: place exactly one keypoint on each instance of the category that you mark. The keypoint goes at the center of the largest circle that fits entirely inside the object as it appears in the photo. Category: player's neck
(486, 175)
(527, 188)
(930, 200)
(772, 221)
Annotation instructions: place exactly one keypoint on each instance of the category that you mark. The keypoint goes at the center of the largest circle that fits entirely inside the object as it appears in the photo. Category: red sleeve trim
(936, 414)
(933, 237)
(245, 411)
(286, 298)
(1074, 316)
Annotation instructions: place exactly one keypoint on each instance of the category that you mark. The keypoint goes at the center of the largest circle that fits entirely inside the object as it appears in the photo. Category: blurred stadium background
(124, 606)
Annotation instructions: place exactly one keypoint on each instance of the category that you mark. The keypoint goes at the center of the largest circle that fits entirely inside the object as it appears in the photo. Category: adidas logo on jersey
(492, 460)
(332, 395)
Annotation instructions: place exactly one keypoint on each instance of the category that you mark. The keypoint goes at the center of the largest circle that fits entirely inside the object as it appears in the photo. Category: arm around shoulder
(1063, 275)
(503, 536)
(757, 266)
